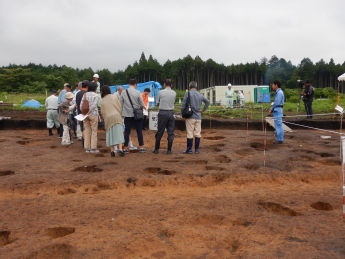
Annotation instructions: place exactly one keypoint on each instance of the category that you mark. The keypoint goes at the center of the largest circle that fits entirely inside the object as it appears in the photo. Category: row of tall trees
(34, 78)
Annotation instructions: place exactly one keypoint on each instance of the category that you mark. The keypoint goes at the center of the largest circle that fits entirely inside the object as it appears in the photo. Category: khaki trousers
(90, 132)
(193, 127)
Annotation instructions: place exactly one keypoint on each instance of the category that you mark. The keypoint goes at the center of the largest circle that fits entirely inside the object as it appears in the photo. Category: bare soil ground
(58, 202)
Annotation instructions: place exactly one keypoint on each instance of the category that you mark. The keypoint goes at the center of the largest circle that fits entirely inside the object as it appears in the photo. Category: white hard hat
(96, 75)
(229, 84)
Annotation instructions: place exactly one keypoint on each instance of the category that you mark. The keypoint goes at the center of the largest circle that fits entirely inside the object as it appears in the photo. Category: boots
(170, 143)
(197, 143)
(189, 146)
(50, 132)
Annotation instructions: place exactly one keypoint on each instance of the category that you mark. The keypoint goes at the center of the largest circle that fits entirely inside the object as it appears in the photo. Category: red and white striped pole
(343, 171)
(265, 141)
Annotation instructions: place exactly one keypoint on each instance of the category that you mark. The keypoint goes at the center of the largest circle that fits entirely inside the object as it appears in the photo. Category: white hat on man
(96, 75)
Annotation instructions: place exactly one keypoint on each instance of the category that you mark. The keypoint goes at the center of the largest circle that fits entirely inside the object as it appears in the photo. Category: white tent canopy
(342, 77)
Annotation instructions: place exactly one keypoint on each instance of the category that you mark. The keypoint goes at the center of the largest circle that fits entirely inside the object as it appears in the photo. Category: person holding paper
(145, 96)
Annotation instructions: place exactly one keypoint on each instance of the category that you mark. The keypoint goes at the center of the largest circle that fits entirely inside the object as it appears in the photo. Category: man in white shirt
(95, 79)
(229, 95)
(52, 112)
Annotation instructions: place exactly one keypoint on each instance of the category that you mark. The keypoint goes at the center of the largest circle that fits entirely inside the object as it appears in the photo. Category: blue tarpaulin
(32, 104)
(154, 87)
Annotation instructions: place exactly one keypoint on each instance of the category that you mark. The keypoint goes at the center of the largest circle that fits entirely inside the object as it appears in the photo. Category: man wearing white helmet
(229, 95)
(95, 79)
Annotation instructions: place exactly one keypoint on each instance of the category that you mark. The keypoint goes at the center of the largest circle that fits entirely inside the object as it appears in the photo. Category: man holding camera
(277, 110)
(308, 98)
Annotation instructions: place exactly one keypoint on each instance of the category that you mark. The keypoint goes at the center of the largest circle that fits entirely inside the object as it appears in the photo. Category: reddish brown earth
(58, 202)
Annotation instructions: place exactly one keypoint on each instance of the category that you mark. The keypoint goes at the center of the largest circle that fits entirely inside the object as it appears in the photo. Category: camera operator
(277, 110)
(308, 98)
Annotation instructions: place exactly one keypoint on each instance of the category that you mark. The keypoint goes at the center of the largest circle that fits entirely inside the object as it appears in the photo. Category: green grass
(20, 98)
(290, 108)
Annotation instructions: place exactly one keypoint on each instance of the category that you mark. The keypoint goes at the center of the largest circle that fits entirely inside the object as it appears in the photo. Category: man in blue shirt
(62, 95)
(277, 110)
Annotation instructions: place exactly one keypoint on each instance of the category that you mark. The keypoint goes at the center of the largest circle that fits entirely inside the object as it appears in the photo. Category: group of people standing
(118, 117)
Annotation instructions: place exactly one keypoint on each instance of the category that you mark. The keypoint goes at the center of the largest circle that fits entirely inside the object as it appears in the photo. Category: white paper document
(81, 117)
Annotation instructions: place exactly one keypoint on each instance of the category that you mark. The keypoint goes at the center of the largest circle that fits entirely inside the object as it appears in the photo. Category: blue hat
(53, 91)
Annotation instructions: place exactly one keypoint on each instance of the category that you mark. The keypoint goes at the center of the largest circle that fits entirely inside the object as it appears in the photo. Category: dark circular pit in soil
(90, 169)
(5, 237)
(166, 172)
(215, 168)
(223, 159)
(214, 138)
(321, 206)
(6, 172)
(59, 232)
(152, 170)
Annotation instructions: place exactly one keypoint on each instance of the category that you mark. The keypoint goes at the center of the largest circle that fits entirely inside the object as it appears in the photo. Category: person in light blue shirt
(277, 110)
(62, 95)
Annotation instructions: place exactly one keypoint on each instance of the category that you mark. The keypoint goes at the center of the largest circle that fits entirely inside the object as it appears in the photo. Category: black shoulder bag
(138, 112)
(187, 111)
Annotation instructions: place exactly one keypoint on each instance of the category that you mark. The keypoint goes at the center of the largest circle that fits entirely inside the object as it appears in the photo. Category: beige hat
(69, 95)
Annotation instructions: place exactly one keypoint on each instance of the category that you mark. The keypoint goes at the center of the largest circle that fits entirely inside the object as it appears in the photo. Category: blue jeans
(139, 128)
(278, 123)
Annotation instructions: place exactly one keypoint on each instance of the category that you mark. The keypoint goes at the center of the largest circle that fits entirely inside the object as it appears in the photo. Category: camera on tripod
(300, 82)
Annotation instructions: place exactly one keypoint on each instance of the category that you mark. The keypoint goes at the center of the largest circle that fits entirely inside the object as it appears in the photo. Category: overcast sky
(113, 33)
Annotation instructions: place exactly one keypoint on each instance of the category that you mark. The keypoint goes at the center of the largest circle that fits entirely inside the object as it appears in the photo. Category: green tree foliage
(105, 77)
(13, 78)
(85, 74)
(181, 71)
(54, 82)
(34, 87)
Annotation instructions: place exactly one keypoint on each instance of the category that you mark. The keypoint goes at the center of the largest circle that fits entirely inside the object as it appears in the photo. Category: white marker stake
(343, 170)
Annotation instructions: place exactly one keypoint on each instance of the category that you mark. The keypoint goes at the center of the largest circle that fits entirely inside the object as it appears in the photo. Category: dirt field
(58, 202)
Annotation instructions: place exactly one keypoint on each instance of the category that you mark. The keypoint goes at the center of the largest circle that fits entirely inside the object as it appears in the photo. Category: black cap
(53, 91)
(306, 81)
(85, 82)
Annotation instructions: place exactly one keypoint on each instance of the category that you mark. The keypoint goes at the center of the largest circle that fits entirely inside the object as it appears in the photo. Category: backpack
(85, 106)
